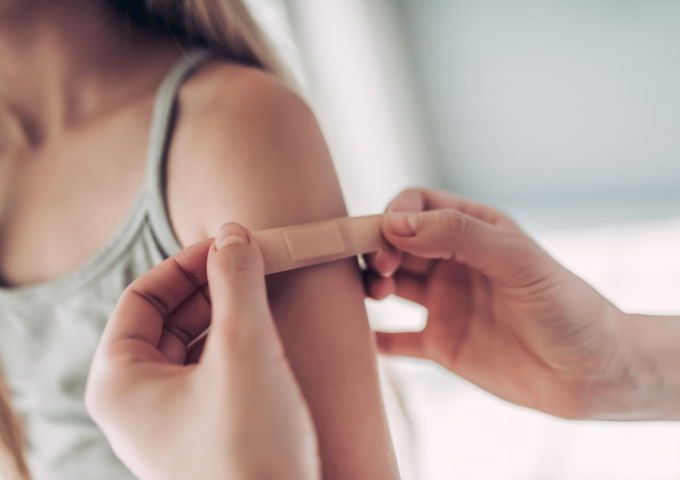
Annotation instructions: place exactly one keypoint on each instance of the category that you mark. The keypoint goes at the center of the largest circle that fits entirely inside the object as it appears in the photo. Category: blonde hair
(225, 27)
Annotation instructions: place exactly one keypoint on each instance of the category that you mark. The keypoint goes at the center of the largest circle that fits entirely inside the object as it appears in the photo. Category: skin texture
(264, 145)
(249, 400)
(506, 316)
(245, 149)
(75, 107)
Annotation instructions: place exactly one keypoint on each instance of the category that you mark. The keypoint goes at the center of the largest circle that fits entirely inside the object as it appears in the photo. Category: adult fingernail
(385, 262)
(229, 234)
(402, 224)
(380, 261)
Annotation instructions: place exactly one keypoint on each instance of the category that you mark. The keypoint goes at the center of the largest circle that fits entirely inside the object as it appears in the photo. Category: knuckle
(182, 260)
(522, 246)
(525, 258)
(455, 231)
(149, 297)
(409, 191)
(410, 198)
(453, 222)
(504, 219)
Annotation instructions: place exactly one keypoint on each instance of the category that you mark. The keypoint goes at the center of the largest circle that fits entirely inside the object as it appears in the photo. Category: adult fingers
(184, 325)
(419, 199)
(135, 329)
(240, 310)
(409, 344)
(140, 313)
(384, 262)
(387, 261)
(504, 255)
(403, 285)
(391, 260)
(191, 317)
(414, 265)
(376, 286)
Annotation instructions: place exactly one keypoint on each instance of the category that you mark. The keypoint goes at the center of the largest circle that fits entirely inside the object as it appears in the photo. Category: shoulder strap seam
(159, 139)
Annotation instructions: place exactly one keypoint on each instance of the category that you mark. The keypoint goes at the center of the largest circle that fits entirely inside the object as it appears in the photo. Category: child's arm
(250, 151)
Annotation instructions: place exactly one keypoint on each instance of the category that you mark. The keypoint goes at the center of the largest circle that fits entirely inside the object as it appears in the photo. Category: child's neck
(62, 63)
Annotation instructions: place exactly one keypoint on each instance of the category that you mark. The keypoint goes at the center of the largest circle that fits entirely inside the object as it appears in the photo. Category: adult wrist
(610, 391)
(655, 362)
(645, 384)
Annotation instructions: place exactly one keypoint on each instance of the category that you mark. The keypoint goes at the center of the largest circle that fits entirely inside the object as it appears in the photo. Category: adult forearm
(648, 384)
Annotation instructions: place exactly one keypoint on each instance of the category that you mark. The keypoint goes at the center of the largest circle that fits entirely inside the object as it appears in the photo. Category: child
(82, 214)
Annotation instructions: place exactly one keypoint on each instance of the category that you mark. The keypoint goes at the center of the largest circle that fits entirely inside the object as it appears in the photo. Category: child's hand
(501, 312)
(237, 412)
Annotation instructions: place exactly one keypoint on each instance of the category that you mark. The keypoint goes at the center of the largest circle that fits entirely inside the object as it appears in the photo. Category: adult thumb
(502, 254)
(235, 272)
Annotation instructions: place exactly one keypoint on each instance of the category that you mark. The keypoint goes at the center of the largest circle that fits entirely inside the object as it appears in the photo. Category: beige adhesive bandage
(297, 246)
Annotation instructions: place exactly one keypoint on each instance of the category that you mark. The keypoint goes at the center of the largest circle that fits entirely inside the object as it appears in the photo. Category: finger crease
(156, 302)
(182, 335)
(188, 275)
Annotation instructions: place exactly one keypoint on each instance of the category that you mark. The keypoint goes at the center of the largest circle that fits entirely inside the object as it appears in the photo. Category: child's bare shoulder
(221, 87)
(246, 148)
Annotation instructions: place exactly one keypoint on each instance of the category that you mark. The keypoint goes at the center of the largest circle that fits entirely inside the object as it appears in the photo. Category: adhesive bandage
(297, 246)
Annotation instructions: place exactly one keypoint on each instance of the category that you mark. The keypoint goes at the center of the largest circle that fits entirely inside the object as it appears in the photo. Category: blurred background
(565, 114)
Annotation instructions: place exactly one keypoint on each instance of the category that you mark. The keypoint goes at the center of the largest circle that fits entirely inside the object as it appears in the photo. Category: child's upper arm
(257, 157)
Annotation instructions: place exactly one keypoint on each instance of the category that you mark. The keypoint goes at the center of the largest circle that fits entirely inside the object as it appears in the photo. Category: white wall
(569, 106)
(360, 86)
(552, 100)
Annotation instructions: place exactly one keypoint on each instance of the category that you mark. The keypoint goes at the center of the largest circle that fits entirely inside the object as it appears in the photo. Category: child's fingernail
(229, 234)
(402, 224)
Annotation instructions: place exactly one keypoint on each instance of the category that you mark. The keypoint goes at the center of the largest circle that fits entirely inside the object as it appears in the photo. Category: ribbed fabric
(49, 331)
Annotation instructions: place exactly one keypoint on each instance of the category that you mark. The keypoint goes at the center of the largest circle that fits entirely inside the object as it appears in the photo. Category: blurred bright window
(566, 114)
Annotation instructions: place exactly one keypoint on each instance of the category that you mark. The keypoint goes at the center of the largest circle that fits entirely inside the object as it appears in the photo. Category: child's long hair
(223, 26)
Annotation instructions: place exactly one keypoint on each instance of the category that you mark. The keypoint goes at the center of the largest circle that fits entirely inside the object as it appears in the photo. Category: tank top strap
(159, 139)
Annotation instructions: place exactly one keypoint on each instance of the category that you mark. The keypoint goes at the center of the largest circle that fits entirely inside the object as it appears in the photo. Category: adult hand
(236, 412)
(501, 312)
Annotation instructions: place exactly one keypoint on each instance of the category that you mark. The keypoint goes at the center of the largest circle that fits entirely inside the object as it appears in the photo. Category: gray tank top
(49, 331)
